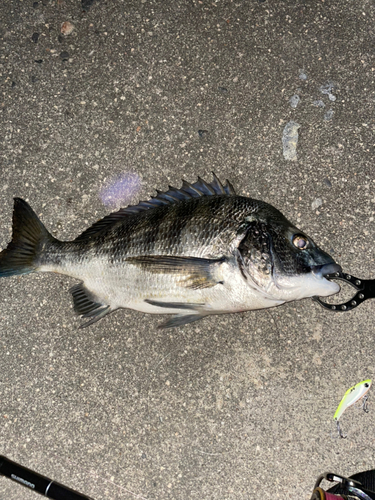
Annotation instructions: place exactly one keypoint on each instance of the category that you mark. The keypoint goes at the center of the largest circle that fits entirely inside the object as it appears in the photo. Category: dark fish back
(197, 227)
(198, 219)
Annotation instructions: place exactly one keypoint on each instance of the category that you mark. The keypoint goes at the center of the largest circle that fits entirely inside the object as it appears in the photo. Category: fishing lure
(352, 395)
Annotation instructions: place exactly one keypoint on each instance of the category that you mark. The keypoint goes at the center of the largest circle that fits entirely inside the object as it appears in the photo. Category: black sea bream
(190, 252)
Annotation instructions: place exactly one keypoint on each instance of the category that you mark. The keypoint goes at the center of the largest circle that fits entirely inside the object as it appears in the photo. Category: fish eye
(300, 242)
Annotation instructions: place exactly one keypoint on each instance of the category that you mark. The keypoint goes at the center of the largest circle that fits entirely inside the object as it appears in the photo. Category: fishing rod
(36, 482)
(347, 488)
(353, 488)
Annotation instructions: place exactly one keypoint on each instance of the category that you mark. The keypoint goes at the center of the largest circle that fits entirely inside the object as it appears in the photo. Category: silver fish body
(190, 252)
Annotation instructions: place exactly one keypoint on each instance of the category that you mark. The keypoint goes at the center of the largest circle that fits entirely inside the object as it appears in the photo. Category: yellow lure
(351, 396)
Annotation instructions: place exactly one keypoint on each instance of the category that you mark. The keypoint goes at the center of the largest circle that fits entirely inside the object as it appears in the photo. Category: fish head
(282, 261)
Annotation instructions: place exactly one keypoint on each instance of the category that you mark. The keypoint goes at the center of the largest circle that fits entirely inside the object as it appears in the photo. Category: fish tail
(29, 237)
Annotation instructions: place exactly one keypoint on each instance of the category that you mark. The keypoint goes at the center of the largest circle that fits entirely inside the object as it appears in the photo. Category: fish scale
(172, 229)
(191, 252)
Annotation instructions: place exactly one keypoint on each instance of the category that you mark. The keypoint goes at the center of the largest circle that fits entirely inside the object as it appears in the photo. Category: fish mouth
(323, 270)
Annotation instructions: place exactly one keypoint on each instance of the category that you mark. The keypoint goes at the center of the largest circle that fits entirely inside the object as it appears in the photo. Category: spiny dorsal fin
(170, 197)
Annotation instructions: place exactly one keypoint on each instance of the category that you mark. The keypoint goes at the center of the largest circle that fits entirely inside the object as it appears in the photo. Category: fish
(191, 252)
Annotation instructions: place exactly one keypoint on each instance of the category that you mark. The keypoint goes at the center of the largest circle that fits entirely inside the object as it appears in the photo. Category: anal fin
(87, 305)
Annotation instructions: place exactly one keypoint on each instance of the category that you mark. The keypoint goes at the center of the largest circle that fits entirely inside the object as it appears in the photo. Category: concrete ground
(232, 407)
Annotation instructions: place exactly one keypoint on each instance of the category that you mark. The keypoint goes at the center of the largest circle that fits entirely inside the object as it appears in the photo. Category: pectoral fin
(194, 272)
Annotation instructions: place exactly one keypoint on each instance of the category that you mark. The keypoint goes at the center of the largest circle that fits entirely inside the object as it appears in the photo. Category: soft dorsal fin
(170, 197)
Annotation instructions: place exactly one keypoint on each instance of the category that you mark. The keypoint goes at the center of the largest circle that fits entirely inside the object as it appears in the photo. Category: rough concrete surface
(232, 407)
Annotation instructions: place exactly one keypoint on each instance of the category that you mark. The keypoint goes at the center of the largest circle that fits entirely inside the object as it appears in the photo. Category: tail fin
(29, 235)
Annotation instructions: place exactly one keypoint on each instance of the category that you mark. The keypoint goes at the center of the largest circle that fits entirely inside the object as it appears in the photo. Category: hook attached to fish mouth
(365, 290)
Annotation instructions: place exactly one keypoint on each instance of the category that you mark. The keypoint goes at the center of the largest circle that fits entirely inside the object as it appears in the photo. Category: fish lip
(325, 269)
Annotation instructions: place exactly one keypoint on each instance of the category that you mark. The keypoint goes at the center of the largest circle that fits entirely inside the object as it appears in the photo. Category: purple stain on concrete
(120, 190)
